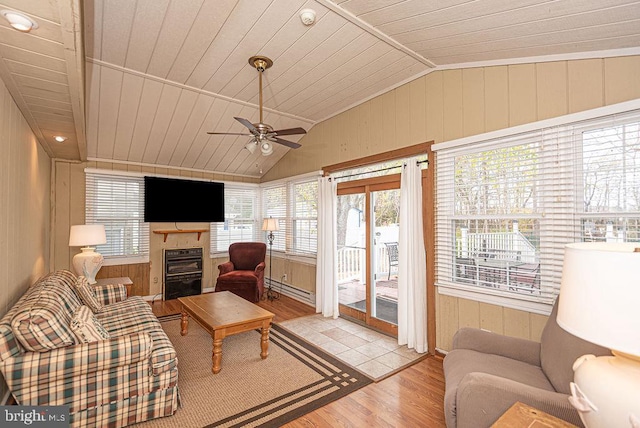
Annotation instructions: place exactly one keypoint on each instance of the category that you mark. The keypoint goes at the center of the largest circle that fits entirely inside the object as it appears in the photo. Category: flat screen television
(175, 200)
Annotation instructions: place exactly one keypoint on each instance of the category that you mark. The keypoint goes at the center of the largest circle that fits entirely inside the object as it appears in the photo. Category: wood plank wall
(445, 105)
(25, 171)
(68, 180)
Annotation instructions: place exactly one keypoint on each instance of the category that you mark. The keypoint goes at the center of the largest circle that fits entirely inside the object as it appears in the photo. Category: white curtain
(326, 274)
(412, 271)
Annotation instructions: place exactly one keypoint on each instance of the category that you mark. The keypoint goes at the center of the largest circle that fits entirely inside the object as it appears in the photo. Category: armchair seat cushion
(461, 362)
(239, 277)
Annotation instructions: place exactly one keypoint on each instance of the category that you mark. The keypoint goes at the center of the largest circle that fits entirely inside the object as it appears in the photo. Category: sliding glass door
(367, 257)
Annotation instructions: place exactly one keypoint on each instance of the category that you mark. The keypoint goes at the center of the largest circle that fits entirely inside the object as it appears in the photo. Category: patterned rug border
(335, 374)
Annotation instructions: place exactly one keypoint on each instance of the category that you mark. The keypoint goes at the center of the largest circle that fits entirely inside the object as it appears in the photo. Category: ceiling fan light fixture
(266, 148)
(251, 146)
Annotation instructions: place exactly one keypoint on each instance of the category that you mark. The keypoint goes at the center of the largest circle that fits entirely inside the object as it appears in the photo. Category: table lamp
(270, 224)
(88, 262)
(600, 303)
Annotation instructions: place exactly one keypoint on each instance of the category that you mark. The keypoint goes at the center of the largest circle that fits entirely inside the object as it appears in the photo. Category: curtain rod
(377, 170)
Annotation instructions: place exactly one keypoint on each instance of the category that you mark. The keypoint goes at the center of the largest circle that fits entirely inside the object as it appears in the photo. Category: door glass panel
(384, 254)
(351, 243)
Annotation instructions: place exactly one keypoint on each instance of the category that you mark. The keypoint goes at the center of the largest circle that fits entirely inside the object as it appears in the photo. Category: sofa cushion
(86, 327)
(459, 362)
(62, 283)
(558, 351)
(42, 322)
(87, 294)
(163, 356)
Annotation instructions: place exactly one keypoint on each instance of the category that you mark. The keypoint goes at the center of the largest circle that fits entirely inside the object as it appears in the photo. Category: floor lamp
(270, 224)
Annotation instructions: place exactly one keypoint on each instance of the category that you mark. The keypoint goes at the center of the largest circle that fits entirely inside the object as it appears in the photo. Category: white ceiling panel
(161, 73)
(44, 75)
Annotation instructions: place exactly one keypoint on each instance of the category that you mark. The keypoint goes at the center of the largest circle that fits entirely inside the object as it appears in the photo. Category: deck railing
(352, 263)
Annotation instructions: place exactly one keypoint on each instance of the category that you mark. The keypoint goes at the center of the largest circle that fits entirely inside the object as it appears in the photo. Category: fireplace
(182, 272)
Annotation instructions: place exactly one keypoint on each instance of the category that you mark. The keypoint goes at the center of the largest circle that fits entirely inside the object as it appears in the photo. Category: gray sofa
(486, 373)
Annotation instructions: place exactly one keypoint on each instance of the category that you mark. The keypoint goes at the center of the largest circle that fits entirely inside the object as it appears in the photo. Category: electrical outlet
(284, 277)
(155, 280)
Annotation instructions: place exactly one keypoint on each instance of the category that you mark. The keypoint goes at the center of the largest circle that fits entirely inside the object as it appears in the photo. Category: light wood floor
(411, 398)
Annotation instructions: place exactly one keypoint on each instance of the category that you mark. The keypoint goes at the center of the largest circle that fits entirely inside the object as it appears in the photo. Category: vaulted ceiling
(161, 73)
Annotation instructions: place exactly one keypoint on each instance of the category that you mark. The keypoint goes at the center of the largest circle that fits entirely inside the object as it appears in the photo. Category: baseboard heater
(296, 293)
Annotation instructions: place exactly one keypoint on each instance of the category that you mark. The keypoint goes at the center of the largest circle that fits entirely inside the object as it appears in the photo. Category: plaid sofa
(129, 378)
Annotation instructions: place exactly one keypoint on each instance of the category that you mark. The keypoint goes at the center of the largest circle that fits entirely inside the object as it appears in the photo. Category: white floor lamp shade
(600, 303)
(88, 262)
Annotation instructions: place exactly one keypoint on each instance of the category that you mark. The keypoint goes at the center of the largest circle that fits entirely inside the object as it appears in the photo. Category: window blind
(294, 204)
(274, 204)
(241, 222)
(117, 202)
(305, 217)
(506, 207)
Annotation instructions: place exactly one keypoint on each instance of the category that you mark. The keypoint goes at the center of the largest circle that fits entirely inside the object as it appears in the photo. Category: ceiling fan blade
(228, 133)
(290, 131)
(246, 123)
(289, 144)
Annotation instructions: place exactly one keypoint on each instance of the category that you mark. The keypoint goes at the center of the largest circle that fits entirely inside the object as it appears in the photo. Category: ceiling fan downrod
(260, 63)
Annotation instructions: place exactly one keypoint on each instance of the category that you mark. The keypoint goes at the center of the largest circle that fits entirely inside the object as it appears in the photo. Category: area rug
(294, 380)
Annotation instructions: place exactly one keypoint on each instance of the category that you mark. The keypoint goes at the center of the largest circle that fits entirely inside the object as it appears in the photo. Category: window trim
(487, 141)
(257, 212)
(119, 259)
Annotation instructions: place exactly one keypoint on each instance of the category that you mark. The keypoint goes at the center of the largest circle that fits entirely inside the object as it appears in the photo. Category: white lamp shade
(270, 224)
(82, 235)
(600, 294)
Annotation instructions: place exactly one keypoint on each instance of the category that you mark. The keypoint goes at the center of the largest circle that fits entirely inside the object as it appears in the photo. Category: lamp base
(88, 263)
(605, 390)
(272, 294)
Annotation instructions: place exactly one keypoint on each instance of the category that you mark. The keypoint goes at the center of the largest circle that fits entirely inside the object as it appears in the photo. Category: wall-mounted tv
(175, 200)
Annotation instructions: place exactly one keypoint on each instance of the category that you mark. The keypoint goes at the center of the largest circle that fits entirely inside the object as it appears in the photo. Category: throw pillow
(42, 322)
(86, 327)
(87, 294)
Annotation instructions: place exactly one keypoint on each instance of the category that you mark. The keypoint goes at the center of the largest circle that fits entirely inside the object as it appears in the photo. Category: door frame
(428, 215)
(367, 186)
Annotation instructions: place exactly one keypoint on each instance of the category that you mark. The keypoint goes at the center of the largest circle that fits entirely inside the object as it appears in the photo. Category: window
(240, 225)
(274, 204)
(294, 204)
(611, 183)
(305, 217)
(117, 201)
(506, 207)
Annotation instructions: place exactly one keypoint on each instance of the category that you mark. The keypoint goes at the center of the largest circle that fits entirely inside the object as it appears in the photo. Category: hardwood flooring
(410, 398)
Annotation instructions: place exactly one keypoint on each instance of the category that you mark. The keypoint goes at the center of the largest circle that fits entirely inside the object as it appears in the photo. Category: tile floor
(375, 354)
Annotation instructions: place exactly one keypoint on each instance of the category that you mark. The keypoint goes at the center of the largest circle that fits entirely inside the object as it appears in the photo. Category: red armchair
(243, 274)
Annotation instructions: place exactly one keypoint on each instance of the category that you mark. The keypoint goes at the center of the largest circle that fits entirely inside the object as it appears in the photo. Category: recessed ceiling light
(60, 138)
(19, 21)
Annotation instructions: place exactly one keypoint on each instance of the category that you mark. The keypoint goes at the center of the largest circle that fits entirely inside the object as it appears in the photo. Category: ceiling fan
(262, 134)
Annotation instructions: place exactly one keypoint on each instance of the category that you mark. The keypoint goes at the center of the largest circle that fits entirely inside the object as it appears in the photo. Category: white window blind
(241, 223)
(274, 204)
(294, 204)
(507, 207)
(117, 202)
(305, 217)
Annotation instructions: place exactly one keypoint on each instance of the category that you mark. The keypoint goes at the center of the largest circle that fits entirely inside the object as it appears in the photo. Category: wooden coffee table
(223, 314)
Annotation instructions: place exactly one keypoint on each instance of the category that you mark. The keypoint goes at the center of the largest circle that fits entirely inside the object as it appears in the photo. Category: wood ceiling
(160, 73)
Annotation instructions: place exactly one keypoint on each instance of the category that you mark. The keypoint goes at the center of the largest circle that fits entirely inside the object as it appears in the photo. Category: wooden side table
(124, 280)
(522, 415)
